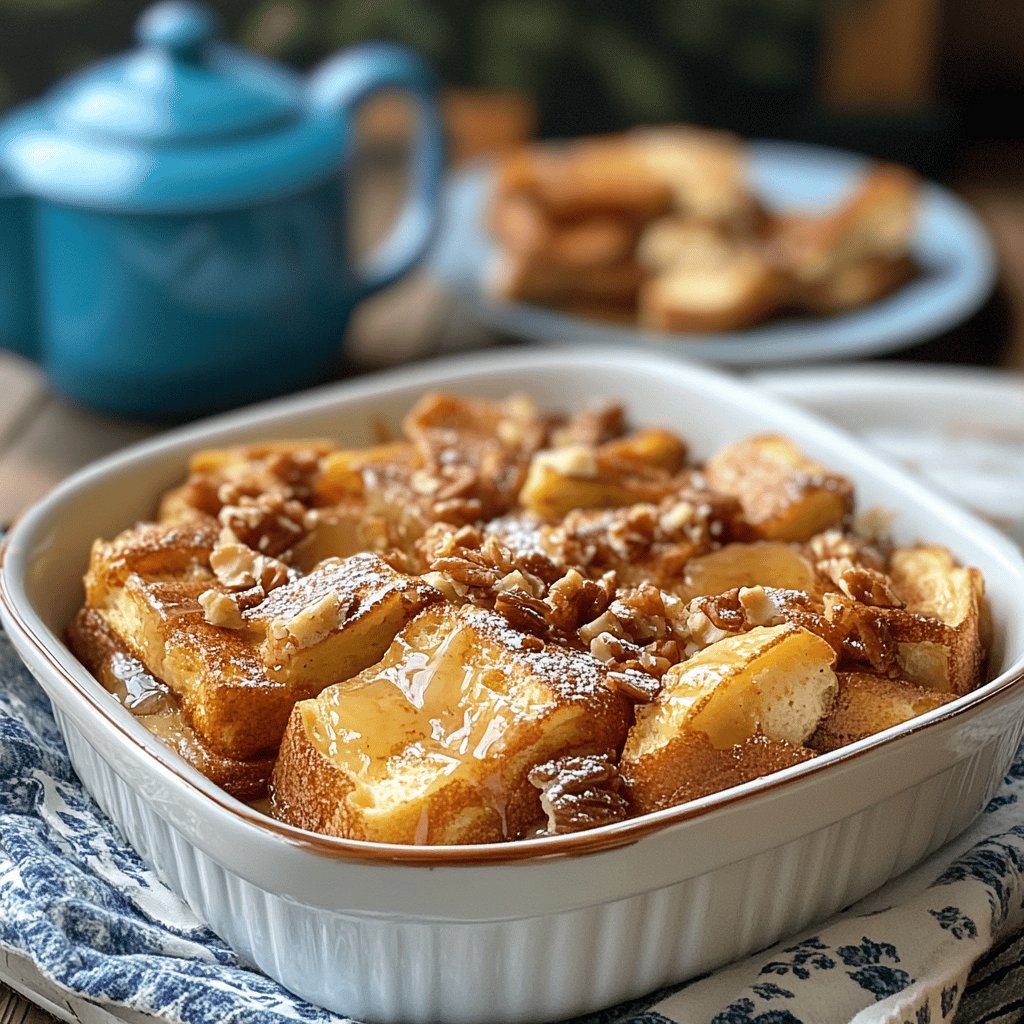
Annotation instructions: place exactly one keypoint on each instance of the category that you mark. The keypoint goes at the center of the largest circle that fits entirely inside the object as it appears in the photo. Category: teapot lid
(184, 122)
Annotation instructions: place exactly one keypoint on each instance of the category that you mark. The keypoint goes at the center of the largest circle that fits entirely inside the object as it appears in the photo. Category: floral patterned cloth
(79, 901)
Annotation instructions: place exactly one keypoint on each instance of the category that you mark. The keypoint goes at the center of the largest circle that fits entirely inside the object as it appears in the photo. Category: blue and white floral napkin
(77, 900)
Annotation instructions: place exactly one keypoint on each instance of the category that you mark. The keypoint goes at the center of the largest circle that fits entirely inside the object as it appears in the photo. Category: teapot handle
(347, 80)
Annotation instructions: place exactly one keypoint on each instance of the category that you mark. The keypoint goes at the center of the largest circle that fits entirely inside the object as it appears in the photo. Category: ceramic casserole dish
(546, 928)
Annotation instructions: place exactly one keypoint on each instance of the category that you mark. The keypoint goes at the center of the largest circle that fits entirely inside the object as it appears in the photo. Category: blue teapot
(173, 221)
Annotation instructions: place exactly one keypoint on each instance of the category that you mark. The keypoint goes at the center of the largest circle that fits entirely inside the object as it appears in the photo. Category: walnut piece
(579, 792)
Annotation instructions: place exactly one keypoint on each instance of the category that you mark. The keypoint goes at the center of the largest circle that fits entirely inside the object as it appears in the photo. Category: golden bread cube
(344, 473)
(587, 177)
(722, 295)
(776, 680)
(770, 686)
(99, 648)
(154, 550)
(336, 620)
(784, 494)
(578, 476)
(236, 687)
(224, 688)
(866, 704)
(646, 448)
(692, 767)
(760, 563)
(435, 742)
(941, 633)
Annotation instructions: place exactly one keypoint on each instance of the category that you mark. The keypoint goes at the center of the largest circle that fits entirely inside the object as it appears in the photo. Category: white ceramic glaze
(556, 927)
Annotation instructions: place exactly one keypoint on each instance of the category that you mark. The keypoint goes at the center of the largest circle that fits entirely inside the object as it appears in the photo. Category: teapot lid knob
(178, 26)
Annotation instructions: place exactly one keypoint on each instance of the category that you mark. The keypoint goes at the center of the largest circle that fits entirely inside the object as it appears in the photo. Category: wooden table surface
(43, 438)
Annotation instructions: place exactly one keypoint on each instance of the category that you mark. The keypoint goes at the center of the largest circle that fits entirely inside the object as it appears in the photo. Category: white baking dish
(549, 928)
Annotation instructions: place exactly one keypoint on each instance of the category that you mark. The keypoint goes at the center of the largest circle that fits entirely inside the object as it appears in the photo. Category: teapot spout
(18, 311)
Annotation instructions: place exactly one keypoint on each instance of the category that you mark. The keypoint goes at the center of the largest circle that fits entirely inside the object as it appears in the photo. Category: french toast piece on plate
(852, 286)
(866, 704)
(727, 295)
(742, 706)
(587, 177)
(875, 222)
(706, 170)
(99, 648)
(519, 279)
(520, 223)
(434, 743)
(784, 494)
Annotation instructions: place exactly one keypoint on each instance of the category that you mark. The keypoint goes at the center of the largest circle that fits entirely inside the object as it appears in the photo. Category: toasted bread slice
(99, 648)
(435, 742)
(587, 177)
(236, 687)
(940, 634)
(760, 563)
(784, 494)
(705, 169)
(875, 223)
(726, 295)
(866, 704)
(852, 286)
(334, 621)
(518, 279)
(521, 225)
(772, 685)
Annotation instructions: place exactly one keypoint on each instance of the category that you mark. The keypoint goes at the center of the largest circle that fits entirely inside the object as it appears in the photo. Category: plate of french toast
(520, 660)
(732, 251)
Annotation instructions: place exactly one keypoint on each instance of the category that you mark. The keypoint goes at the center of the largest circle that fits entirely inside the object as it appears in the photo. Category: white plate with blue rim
(950, 245)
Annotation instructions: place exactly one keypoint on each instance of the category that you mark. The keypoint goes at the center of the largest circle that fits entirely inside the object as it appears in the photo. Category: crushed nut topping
(580, 792)
(593, 426)
(311, 624)
(644, 630)
(268, 523)
(220, 610)
(869, 586)
(238, 567)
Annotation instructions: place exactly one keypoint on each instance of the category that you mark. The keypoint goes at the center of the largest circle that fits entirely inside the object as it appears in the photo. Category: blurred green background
(755, 66)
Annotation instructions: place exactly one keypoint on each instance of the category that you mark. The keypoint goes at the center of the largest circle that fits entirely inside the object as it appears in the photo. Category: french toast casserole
(507, 623)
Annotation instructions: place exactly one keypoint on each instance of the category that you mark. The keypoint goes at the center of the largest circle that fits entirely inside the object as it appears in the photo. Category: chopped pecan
(643, 629)
(592, 426)
(579, 792)
(868, 586)
(239, 567)
(269, 523)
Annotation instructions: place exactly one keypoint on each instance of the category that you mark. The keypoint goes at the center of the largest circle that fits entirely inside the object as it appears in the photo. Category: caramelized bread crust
(507, 623)
(434, 743)
(100, 649)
